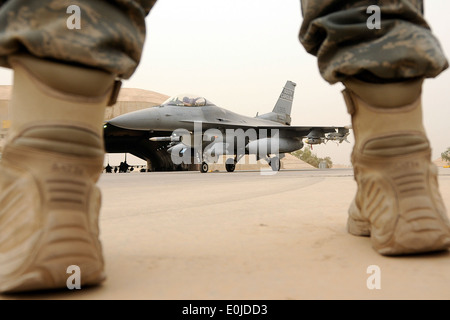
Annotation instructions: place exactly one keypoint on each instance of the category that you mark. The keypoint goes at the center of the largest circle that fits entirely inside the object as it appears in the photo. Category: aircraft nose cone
(146, 119)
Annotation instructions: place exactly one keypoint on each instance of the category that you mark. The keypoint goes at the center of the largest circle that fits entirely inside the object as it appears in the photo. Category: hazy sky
(240, 53)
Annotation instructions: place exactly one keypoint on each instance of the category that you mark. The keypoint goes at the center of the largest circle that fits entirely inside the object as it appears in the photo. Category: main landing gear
(230, 165)
(275, 163)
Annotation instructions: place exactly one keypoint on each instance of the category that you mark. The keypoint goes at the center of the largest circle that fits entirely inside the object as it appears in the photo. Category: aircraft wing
(303, 131)
(307, 129)
(221, 124)
(299, 131)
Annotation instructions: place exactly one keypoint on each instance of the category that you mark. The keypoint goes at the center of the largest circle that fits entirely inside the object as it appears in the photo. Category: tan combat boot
(398, 201)
(49, 203)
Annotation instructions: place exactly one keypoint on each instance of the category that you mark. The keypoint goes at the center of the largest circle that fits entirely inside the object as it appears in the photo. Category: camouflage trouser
(111, 36)
(336, 32)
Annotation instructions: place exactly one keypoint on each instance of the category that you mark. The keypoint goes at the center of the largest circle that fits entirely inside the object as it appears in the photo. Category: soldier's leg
(63, 80)
(403, 48)
(398, 202)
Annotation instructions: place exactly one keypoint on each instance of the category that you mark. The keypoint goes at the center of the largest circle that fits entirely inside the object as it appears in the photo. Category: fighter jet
(189, 129)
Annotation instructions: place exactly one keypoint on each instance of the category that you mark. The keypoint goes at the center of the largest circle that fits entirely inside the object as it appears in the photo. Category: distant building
(5, 94)
(323, 165)
(131, 99)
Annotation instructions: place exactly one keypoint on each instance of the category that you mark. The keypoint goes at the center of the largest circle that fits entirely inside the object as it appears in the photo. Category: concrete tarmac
(247, 235)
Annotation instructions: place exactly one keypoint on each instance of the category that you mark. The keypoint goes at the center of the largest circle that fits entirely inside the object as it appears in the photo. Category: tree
(310, 158)
(446, 155)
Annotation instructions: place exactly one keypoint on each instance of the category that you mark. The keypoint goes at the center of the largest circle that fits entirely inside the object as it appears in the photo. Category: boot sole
(418, 235)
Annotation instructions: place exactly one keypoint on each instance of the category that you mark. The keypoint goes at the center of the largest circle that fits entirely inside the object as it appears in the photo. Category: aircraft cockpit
(187, 100)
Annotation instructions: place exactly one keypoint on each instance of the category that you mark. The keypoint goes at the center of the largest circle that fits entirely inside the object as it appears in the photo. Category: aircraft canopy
(187, 100)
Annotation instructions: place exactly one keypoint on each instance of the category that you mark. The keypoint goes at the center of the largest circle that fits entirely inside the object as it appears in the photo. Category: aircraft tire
(275, 163)
(230, 167)
(204, 167)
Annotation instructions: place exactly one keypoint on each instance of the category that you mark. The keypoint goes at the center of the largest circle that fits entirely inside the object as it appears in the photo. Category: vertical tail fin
(282, 111)
(284, 102)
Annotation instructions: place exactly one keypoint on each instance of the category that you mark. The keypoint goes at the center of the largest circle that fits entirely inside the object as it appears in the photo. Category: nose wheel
(204, 167)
